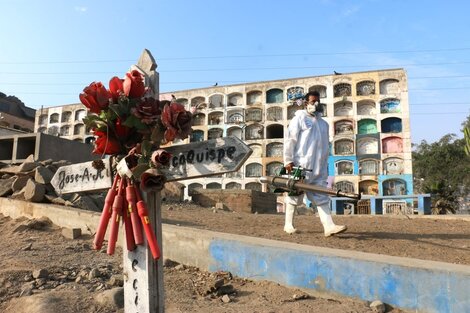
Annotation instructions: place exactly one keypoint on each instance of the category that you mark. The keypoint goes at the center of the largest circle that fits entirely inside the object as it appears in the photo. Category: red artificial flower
(95, 97)
(136, 150)
(105, 144)
(148, 110)
(177, 121)
(152, 180)
(160, 157)
(116, 88)
(133, 84)
(120, 130)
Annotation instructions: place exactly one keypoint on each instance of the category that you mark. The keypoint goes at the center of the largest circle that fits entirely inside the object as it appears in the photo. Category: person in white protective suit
(306, 144)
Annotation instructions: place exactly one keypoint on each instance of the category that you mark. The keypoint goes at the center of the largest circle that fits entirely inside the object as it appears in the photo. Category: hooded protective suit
(307, 145)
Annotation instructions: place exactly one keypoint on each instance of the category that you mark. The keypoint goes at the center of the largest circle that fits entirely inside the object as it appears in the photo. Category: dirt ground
(78, 277)
(428, 239)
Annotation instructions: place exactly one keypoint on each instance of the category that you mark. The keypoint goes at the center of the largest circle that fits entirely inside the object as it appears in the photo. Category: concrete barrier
(419, 285)
(16, 148)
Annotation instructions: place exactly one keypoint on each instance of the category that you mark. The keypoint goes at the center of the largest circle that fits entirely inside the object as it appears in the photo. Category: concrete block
(71, 233)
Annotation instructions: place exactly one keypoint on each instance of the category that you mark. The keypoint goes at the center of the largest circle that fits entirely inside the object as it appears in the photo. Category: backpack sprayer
(294, 185)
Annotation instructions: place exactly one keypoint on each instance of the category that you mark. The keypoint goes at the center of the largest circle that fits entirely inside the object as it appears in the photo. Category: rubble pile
(30, 181)
(217, 285)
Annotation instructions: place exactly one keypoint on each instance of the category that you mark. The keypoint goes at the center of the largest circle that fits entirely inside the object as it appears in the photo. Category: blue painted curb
(426, 288)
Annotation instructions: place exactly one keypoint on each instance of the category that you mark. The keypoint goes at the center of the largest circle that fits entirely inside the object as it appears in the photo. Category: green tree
(442, 169)
(466, 134)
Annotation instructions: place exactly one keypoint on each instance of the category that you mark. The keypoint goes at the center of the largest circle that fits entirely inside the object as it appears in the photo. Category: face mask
(312, 108)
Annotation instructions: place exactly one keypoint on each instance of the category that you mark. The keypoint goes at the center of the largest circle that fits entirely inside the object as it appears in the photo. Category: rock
(169, 263)
(225, 290)
(85, 203)
(19, 195)
(41, 273)
(116, 281)
(219, 283)
(179, 267)
(296, 297)
(98, 200)
(61, 163)
(71, 233)
(20, 183)
(41, 282)
(43, 175)
(377, 306)
(55, 200)
(27, 167)
(219, 205)
(26, 292)
(79, 279)
(27, 247)
(112, 297)
(28, 277)
(225, 299)
(29, 285)
(30, 158)
(39, 223)
(47, 162)
(170, 208)
(94, 273)
(34, 192)
(6, 186)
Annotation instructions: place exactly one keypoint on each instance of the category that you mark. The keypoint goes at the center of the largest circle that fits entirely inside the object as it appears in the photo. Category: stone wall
(249, 201)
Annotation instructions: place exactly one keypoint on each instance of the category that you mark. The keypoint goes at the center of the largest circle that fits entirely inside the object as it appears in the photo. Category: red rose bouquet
(128, 121)
(127, 118)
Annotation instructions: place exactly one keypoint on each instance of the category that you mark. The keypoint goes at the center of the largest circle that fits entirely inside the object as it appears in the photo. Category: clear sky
(50, 50)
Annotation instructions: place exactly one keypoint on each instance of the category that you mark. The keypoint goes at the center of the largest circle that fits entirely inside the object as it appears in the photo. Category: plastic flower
(95, 97)
(120, 130)
(133, 84)
(105, 144)
(147, 111)
(116, 88)
(160, 157)
(177, 121)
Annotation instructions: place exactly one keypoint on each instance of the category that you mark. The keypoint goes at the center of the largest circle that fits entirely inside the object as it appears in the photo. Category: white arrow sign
(82, 177)
(206, 158)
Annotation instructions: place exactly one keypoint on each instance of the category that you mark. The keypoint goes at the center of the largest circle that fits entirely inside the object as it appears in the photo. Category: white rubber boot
(288, 225)
(327, 221)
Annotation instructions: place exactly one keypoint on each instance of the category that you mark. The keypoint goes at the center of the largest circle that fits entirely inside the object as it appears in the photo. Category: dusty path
(77, 275)
(429, 239)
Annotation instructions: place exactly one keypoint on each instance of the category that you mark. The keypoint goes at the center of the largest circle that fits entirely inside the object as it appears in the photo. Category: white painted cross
(143, 276)
(143, 283)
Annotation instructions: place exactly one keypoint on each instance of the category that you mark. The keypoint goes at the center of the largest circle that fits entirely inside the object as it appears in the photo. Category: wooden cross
(143, 276)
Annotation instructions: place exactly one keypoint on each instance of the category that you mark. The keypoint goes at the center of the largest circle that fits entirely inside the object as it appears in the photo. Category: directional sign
(206, 158)
(82, 177)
